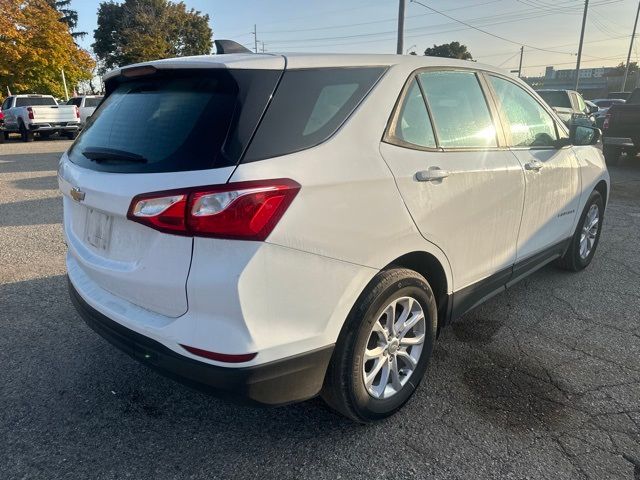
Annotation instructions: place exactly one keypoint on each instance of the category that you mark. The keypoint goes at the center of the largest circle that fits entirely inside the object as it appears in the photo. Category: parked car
(619, 95)
(315, 220)
(87, 105)
(31, 114)
(621, 129)
(603, 107)
(569, 105)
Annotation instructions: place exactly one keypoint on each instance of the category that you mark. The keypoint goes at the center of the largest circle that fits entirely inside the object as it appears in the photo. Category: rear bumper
(279, 382)
(43, 127)
(618, 141)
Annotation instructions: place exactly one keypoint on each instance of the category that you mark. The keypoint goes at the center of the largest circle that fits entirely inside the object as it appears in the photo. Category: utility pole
(255, 38)
(64, 82)
(584, 22)
(633, 36)
(399, 48)
(262, 46)
(520, 64)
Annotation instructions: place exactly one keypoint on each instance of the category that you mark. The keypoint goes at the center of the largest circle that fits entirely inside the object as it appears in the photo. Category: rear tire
(71, 135)
(391, 294)
(25, 134)
(611, 154)
(576, 257)
(2, 137)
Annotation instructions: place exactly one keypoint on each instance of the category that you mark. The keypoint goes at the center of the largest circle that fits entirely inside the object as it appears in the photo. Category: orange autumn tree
(35, 46)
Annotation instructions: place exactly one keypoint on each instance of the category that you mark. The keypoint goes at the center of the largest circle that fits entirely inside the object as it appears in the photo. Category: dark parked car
(570, 107)
(621, 129)
(619, 95)
(603, 107)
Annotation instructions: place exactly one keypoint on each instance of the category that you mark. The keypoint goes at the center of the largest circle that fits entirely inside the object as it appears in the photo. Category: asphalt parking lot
(541, 382)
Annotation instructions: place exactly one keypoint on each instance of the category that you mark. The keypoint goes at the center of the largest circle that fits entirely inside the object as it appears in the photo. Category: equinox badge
(77, 194)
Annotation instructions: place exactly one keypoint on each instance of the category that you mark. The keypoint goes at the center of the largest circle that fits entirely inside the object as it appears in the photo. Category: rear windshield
(308, 107)
(92, 101)
(34, 101)
(556, 99)
(175, 121)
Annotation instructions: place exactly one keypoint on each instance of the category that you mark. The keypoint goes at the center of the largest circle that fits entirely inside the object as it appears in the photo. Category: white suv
(274, 227)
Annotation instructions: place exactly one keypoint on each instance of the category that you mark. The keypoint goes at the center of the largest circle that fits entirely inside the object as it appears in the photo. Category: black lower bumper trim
(280, 382)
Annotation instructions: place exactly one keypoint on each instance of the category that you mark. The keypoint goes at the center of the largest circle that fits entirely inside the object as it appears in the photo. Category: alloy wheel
(394, 347)
(589, 231)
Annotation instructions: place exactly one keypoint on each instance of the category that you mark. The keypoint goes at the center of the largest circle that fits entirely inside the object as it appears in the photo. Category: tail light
(1, 116)
(605, 124)
(77, 111)
(242, 210)
(30, 112)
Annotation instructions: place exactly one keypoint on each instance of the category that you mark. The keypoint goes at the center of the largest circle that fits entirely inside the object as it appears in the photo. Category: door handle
(534, 165)
(431, 175)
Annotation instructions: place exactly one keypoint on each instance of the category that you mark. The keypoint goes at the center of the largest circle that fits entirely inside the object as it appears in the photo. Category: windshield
(556, 98)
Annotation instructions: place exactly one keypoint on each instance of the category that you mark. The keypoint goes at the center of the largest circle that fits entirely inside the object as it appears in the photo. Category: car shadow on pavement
(41, 211)
(29, 162)
(48, 182)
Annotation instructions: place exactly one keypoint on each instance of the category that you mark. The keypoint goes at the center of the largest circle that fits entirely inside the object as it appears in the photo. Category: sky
(549, 29)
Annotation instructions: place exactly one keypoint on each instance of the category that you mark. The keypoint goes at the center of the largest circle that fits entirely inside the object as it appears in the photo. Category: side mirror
(583, 135)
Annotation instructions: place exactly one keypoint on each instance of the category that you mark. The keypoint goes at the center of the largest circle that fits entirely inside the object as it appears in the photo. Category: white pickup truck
(87, 105)
(41, 114)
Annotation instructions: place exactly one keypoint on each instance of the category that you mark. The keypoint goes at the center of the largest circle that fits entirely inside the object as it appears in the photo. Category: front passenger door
(551, 173)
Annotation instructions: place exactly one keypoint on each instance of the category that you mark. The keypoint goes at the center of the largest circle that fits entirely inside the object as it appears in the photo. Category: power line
(511, 57)
(509, 17)
(486, 32)
(386, 20)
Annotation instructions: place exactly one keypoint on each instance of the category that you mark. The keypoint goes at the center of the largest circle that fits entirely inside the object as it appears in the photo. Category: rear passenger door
(463, 188)
(551, 173)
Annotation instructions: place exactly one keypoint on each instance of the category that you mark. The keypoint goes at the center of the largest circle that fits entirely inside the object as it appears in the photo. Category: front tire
(611, 154)
(586, 237)
(384, 348)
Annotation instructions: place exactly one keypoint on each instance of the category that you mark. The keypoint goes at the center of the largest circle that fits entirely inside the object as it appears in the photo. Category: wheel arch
(432, 269)
(603, 189)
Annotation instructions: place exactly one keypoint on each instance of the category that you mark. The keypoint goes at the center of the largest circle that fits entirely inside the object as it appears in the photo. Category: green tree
(140, 30)
(68, 16)
(449, 50)
(35, 46)
(620, 68)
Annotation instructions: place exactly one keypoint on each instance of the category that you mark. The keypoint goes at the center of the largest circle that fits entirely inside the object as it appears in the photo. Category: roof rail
(229, 46)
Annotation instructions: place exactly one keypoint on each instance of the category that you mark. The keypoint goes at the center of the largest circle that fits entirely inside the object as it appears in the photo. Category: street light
(407, 50)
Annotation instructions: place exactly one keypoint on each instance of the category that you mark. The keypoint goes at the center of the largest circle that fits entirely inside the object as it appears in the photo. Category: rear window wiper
(101, 154)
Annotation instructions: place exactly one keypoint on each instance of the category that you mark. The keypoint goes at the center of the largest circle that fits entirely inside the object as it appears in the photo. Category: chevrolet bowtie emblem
(77, 194)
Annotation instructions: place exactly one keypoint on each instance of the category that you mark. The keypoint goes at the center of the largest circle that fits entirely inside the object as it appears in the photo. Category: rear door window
(308, 107)
(175, 121)
(460, 112)
(92, 101)
(412, 126)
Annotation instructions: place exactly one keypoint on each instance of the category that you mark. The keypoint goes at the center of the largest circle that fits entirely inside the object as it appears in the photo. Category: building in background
(594, 82)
